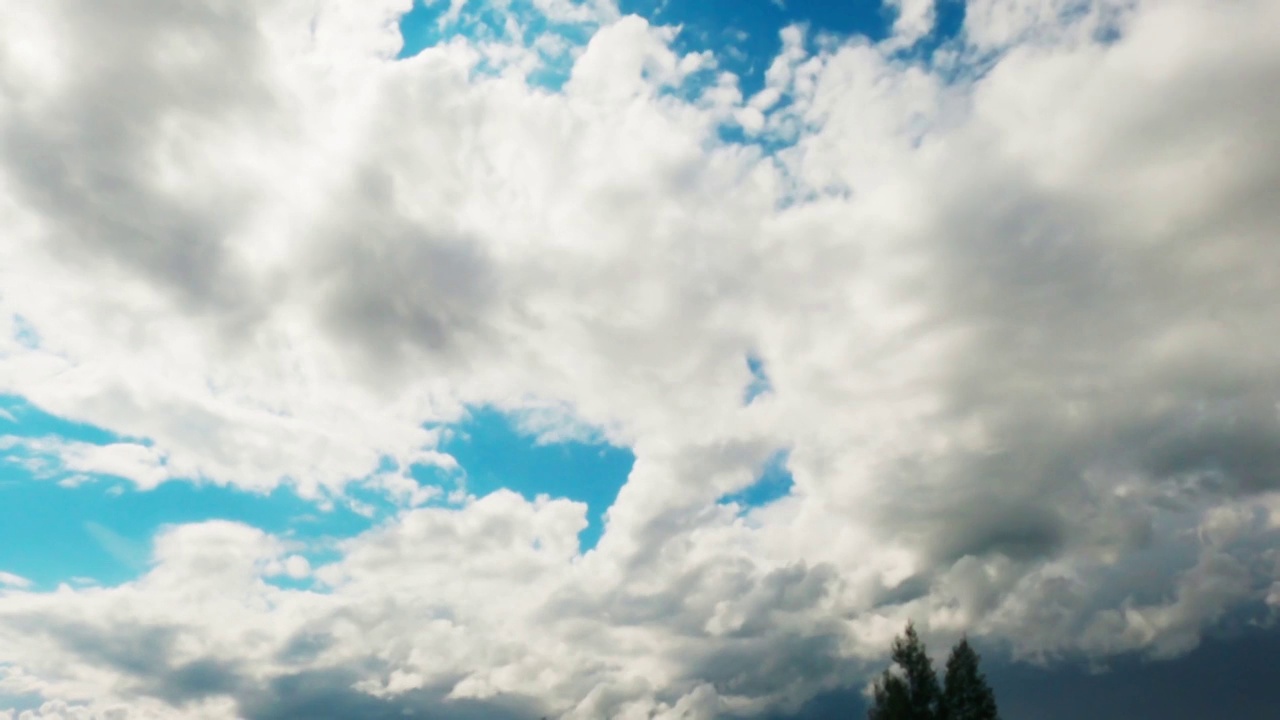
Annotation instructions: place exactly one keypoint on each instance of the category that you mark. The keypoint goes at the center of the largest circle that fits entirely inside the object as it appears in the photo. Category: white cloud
(11, 580)
(915, 20)
(999, 24)
(143, 465)
(1019, 328)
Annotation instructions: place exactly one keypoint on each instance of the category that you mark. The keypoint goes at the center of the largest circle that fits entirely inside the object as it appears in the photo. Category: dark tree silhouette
(965, 693)
(891, 699)
(912, 693)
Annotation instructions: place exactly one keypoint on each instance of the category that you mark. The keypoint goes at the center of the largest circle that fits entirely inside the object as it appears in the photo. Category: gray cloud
(142, 80)
(328, 695)
(397, 291)
(142, 653)
(196, 680)
(134, 649)
(145, 655)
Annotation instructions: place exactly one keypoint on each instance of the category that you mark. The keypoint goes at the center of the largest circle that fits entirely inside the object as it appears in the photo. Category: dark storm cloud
(196, 680)
(329, 695)
(1020, 532)
(143, 653)
(784, 665)
(133, 649)
(1230, 676)
(1239, 454)
(305, 646)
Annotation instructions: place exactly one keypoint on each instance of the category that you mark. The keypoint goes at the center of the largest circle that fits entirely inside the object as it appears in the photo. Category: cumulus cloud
(915, 19)
(1019, 324)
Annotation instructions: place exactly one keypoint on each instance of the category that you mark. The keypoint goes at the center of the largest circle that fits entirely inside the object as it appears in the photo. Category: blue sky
(494, 454)
(59, 526)
(744, 35)
(350, 358)
(98, 528)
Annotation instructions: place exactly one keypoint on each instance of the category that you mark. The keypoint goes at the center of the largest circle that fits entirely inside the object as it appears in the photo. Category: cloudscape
(636, 359)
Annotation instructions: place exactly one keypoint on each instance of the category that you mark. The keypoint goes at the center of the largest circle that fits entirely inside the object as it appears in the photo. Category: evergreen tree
(891, 699)
(913, 693)
(966, 695)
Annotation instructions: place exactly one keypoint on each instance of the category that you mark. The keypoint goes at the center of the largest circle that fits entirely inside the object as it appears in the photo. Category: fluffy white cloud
(1020, 329)
(915, 20)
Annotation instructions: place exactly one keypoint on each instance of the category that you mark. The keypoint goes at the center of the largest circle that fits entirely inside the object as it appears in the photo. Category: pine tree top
(913, 692)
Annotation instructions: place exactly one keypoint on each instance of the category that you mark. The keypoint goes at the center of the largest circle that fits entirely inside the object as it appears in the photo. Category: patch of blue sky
(760, 383)
(57, 527)
(744, 35)
(775, 482)
(102, 530)
(494, 452)
(99, 528)
(948, 22)
(423, 27)
(431, 22)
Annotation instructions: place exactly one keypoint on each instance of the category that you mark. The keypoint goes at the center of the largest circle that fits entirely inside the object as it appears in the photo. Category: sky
(636, 359)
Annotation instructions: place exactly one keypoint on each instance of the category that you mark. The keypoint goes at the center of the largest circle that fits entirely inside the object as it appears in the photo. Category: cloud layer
(1016, 304)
